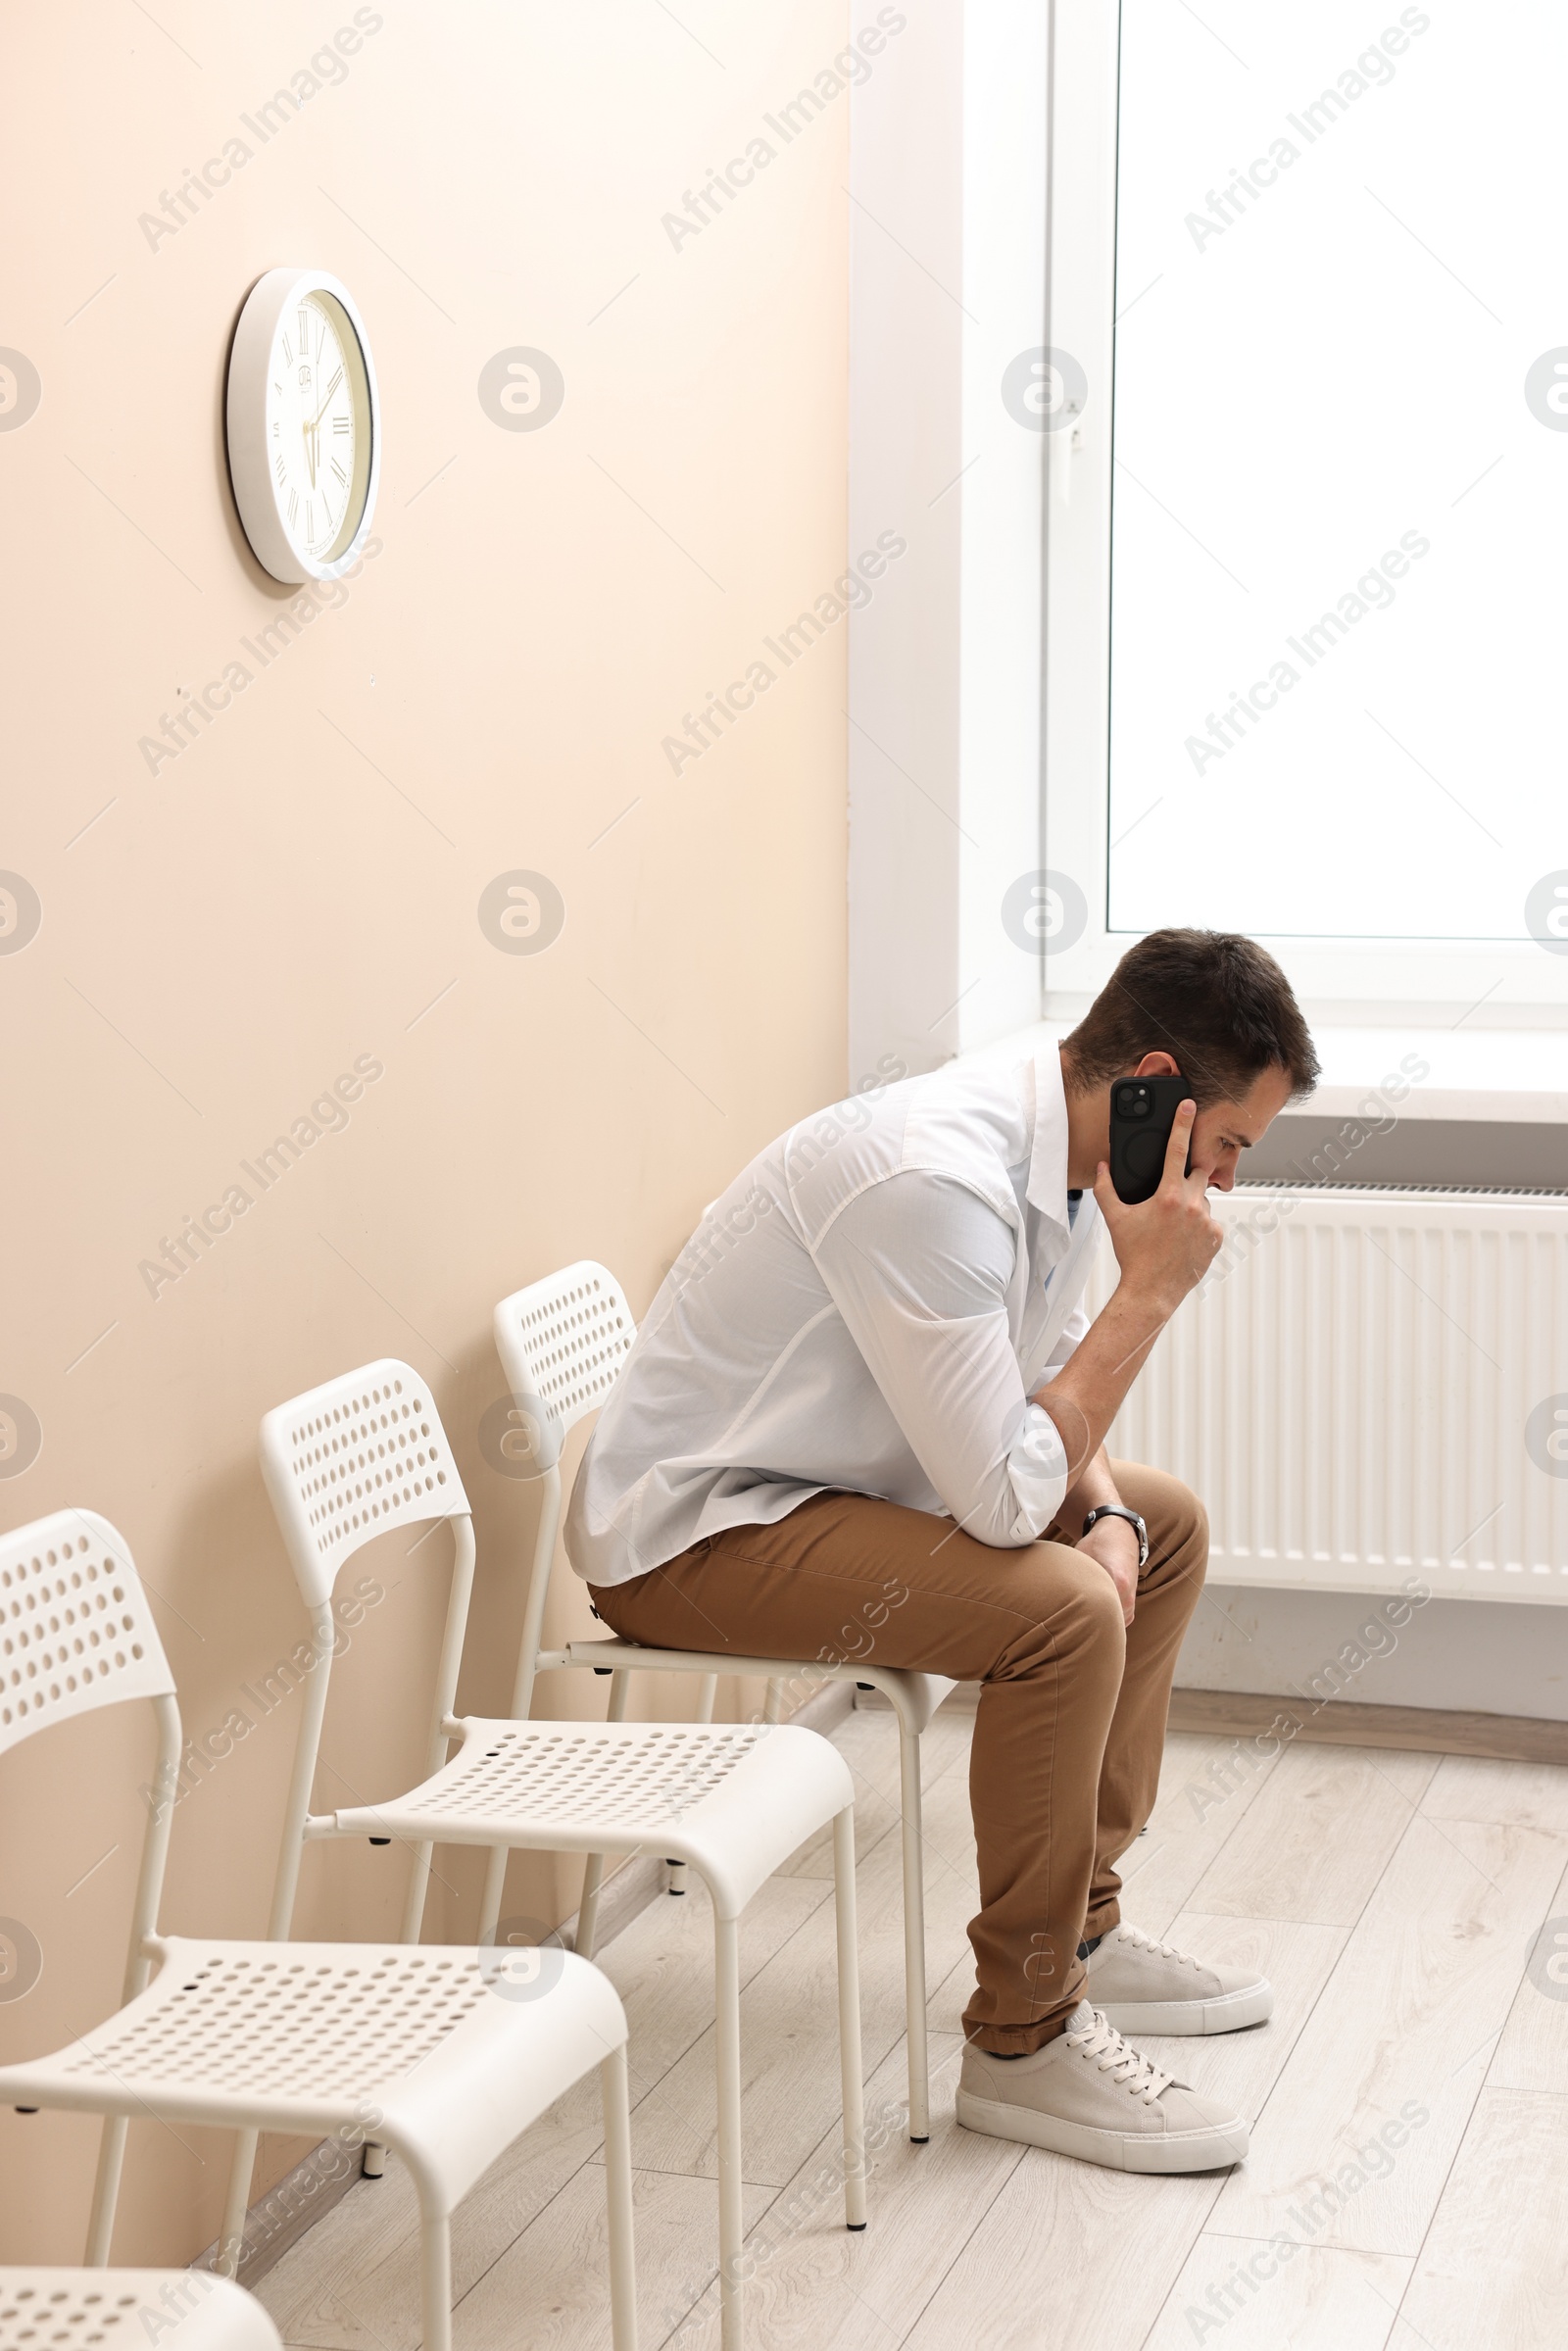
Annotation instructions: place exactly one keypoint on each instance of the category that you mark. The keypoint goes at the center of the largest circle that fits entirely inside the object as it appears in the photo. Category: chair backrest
(75, 1634)
(351, 1458)
(76, 1631)
(347, 1461)
(562, 1344)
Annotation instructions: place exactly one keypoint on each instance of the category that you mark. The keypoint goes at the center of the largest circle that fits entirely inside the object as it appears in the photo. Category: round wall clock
(304, 424)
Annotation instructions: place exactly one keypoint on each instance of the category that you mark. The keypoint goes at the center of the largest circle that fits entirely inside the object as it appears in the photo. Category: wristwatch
(1120, 1510)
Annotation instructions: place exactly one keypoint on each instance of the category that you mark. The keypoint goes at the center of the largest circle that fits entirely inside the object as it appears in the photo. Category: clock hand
(316, 420)
(311, 430)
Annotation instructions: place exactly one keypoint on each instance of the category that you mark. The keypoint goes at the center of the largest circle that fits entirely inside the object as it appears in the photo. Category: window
(1306, 597)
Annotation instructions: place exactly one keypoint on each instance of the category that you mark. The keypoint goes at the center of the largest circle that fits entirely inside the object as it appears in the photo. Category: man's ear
(1157, 1066)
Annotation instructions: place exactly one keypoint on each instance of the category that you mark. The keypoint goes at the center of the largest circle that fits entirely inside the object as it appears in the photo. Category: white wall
(222, 938)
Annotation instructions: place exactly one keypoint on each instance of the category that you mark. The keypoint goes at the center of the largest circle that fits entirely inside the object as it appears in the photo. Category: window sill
(1510, 1076)
(1507, 1076)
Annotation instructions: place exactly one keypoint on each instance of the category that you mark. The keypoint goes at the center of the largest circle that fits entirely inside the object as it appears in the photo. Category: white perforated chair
(123, 2310)
(562, 1342)
(427, 2048)
(368, 1451)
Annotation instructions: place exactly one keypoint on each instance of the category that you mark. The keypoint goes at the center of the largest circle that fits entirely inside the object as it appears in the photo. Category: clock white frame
(251, 365)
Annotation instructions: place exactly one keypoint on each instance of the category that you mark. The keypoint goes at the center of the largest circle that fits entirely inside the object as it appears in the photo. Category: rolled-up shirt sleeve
(918, 1266)
(1075, 1328)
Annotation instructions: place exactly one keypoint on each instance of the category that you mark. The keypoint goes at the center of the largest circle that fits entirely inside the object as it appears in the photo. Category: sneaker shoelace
(1148, 1943)
(1137, 2074)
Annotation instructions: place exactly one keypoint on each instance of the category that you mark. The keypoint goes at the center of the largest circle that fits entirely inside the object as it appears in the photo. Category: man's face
(1222, 1131)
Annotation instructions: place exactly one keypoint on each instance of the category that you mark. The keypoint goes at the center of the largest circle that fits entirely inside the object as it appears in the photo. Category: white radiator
(1371, 1384)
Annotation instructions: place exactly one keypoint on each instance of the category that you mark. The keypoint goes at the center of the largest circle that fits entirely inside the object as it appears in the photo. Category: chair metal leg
(706, 1693)
(614, 2091)
(850, 2062)
(773, 1704)
(495, 1878)
(106, 2192)
(594, 1875)
(436, 2279)
(593, 1878)
(914, 1937)
(372, 2156)
(236, 2203)
(418, 1889)
(727, 2069)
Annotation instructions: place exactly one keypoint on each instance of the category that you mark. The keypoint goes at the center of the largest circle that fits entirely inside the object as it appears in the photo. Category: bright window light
(1339, 591)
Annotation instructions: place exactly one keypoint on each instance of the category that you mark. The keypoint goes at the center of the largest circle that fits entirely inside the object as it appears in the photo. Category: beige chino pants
(1071, 1722)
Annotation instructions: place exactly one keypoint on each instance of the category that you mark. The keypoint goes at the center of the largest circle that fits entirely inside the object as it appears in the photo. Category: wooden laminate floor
(1397, 1902)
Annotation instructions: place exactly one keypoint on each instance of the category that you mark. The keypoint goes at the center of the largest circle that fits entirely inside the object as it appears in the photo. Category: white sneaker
(1088, 2093)
(1144, 1986)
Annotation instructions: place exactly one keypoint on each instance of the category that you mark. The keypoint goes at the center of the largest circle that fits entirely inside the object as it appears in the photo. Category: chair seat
(122, 2310)
(424, 2047)
(734, 1799)
(915, 1695)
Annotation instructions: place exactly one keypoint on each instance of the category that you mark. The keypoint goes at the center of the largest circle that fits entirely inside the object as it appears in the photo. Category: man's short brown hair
(1217, 1002)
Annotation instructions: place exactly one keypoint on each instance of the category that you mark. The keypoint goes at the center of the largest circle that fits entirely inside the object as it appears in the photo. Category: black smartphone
(1142, 1111)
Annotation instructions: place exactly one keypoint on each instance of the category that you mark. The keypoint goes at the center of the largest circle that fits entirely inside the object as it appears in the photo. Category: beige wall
(300, 887)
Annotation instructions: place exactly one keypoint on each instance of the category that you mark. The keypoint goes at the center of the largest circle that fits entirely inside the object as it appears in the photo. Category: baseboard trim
(827, 1708)
(292, 2206)
(1338, 1723)
(303, 2196)
(1343, 1722)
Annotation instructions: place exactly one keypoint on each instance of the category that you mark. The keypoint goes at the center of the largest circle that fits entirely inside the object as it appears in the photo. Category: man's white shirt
(868, 1308)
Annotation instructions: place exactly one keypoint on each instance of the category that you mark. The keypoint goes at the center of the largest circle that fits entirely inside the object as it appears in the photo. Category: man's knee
(1176, 1519)
(1099, 1607)
(1077, 1617)
(1188, 1521)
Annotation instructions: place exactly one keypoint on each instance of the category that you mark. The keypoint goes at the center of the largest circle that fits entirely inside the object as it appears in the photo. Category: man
(866, 1394)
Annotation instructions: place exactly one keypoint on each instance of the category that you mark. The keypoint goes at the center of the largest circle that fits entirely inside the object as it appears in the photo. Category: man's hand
(1113, 1543)
(1166, 1244)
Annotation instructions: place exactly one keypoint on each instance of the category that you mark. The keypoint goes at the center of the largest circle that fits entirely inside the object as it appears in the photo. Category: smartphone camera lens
(1134, 1101)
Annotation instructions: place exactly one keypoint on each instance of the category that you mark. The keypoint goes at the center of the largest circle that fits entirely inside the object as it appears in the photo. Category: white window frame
(948, 217)
(1356, 982)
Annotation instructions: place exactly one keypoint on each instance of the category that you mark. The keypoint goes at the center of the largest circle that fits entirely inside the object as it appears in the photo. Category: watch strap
(1120, 1510)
